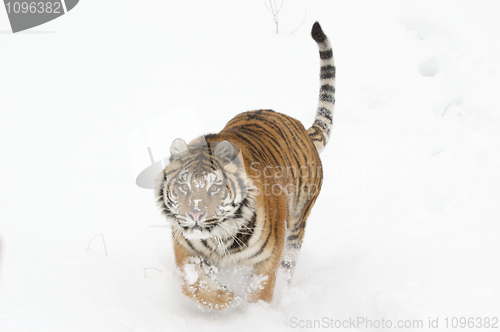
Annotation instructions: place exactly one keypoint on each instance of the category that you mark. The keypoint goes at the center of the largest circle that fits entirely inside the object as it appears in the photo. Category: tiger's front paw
(215, 297)
(223, 296)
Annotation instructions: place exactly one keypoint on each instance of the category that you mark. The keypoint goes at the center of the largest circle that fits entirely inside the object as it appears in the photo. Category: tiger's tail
(321, 128)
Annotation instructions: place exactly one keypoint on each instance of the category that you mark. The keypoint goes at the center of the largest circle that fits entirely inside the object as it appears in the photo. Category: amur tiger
(242, 197)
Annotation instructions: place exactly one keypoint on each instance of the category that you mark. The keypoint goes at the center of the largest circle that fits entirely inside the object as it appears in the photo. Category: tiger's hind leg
(294, 237)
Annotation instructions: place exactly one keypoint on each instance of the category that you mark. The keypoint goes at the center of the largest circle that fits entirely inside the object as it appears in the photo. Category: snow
(407, 224)
(190, 273)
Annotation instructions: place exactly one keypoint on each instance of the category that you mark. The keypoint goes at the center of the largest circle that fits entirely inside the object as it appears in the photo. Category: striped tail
(322, 126)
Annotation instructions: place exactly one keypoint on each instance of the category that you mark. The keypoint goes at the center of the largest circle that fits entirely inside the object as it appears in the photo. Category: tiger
(242, 197)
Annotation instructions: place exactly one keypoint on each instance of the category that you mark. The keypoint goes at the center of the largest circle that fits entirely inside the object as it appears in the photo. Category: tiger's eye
(185, 187)
(214, 189)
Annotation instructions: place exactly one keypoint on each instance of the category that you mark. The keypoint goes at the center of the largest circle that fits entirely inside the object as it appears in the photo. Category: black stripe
(324, 76)
(262, 247)
(205, 243)
(327, 88)
(192, 247)
(243, 204)
(252, 137)
(232, 188)
(325, 112)
(287, 264)
(323, 126)
(299, 227)
(295, 245)
(328, 67)
(326, 97)
(244, 234)
(325, 54)
(315, 134)
(171, 171)
(241, 184)
(327, 72)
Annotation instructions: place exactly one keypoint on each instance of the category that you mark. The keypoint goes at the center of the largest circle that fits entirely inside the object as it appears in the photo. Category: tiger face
(202, 191)
(200, 200)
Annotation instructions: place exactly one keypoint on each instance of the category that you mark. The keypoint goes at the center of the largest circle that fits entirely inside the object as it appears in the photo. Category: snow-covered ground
(407, 226)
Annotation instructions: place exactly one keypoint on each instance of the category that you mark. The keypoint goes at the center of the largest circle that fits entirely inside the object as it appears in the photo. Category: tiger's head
(204, 190)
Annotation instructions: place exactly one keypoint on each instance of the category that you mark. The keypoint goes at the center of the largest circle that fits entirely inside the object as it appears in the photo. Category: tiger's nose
(196, 215)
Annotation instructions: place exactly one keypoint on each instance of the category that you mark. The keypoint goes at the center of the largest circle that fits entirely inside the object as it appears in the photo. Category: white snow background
(407, 226)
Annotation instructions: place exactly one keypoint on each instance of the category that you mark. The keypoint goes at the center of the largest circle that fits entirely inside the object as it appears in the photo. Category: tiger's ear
(225, 151)
(179, 148)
